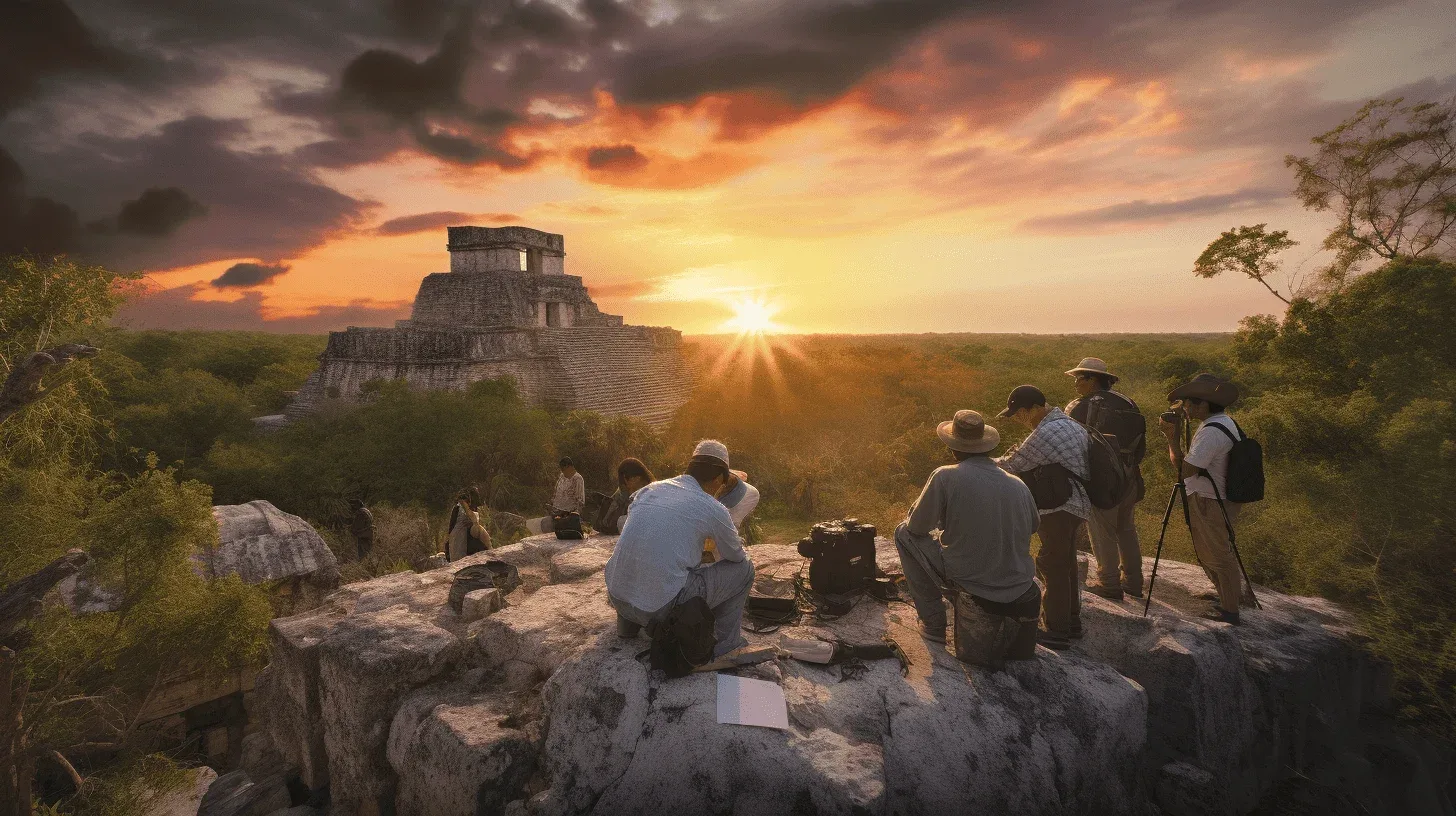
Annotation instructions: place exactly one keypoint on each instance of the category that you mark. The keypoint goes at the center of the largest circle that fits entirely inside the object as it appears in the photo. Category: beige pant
(1115, 543)
(1215, 553)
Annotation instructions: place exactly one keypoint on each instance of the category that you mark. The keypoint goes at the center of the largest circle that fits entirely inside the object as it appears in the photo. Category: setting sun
(753, 316)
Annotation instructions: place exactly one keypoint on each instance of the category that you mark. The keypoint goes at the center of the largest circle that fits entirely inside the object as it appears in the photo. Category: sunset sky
(868, 166)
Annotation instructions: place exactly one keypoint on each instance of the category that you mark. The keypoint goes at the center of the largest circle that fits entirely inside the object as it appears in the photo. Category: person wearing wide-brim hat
(1205, 470)
(986, 517)
(1113, 531)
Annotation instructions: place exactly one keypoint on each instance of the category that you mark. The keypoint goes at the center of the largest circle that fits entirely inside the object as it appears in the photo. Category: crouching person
(986, 518)
(657, 563)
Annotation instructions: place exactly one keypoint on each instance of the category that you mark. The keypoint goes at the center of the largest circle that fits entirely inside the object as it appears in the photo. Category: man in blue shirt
(657, 563)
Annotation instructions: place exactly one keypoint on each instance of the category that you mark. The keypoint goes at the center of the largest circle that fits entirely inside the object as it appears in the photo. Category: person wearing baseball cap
(1205, 479)
(657, 562)
(1056, 446)
(1113, 533)
(985, 517)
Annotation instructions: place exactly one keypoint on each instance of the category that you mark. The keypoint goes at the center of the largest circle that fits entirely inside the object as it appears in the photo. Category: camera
(1172, 416)
(841, 556)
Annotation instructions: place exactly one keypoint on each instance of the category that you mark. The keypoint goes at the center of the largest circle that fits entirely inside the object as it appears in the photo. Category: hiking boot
(1132, 593)
(1052, 641)
(626, 628)
(932, 633)
(1110, 593)
(1221, 616)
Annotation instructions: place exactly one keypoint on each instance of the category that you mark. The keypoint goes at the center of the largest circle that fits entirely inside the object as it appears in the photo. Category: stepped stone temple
(507, 307)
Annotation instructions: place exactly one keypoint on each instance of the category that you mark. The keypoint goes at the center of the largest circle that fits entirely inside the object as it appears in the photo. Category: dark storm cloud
(175, 309)
(259, 203)
(43, 38)
(616, 157)
(158, 211)
(431, 221)
(1150, 212)
(247, 275)
(805, 50)
(37, 225)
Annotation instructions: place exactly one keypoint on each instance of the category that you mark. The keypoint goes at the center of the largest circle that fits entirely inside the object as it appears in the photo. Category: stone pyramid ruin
(508, 308)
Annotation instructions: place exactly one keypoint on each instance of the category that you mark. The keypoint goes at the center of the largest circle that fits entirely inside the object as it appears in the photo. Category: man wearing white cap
(985, 516)
(1113, 531)
(657, 563)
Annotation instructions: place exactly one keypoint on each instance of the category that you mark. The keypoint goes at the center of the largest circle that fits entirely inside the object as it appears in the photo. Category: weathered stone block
(479, 603)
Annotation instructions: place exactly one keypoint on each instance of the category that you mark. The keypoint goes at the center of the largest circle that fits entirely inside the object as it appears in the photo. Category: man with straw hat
(1205, 474)
(1113, 531)
(985, 517)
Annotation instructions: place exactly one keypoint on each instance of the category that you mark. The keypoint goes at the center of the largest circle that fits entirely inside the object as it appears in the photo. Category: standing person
(632, 476)
(657, 563)
(1056, 440)
(1113, 531)
(986, 517)
(570, 496)
(1205, 478)
(361, 527)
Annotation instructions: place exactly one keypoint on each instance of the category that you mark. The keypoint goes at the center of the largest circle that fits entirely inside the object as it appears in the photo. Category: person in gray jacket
(986, 518)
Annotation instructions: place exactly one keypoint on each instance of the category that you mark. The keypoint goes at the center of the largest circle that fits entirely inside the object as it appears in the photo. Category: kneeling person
(657, 561)
(986, 517)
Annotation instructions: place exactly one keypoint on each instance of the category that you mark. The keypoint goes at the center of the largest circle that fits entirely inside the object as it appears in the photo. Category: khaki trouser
(1056, 565)
(1115, 540)
(1211, 545)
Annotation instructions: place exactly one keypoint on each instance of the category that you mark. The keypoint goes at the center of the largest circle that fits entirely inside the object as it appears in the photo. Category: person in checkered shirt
(1058, 439)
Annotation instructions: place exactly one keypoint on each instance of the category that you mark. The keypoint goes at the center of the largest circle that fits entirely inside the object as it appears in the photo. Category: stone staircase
(619, 371)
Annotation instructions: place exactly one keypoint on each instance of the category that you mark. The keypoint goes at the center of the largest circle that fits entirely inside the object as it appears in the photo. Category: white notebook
(742, 701)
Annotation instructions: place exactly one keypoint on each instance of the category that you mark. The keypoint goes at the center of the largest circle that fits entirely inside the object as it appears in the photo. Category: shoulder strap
(1226, 431)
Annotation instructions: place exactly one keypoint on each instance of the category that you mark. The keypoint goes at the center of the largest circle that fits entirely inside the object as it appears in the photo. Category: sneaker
(1219, 615)
(1052, 641)
(933, 633)
(1110, 593)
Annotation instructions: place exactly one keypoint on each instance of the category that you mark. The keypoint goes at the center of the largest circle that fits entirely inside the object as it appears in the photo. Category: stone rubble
(398, 705)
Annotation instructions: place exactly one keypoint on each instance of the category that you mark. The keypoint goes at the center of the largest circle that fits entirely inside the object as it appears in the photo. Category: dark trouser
(1056, 565)
(364, 544)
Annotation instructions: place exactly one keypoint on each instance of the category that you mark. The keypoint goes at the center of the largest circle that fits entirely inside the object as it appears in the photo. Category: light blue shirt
(662, 542)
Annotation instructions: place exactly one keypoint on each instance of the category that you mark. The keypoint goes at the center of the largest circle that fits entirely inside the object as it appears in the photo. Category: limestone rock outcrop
(396, 704)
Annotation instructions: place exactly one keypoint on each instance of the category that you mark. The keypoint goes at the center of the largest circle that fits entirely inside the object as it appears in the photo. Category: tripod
(1179, 490)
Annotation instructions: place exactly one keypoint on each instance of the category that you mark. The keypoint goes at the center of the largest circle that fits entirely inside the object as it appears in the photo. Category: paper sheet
(742, 701)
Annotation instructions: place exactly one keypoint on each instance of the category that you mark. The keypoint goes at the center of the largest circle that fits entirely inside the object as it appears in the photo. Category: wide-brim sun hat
(1093, 365)
(1207, 387)
(968, 433)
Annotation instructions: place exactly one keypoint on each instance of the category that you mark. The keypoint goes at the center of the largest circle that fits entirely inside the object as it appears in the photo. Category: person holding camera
(1056, 447)
(1113, 533)
(985, 516)
(632, 476)
(657, 563)
(1204, 471)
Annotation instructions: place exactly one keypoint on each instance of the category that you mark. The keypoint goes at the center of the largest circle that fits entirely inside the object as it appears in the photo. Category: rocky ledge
(384, 700)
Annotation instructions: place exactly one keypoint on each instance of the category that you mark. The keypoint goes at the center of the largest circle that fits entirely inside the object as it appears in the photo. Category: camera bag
(683, 639)
(567, 526)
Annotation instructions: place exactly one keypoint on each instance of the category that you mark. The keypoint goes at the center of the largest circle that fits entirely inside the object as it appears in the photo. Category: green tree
(1248, 250)
(1389, 175)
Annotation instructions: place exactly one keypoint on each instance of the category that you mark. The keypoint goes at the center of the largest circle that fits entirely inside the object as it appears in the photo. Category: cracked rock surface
(398, 705)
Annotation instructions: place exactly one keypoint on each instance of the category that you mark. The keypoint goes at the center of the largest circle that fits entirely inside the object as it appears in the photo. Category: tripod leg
(1158, 554)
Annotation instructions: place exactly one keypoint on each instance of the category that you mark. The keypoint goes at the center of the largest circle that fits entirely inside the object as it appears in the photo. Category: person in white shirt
(1204, 470)
(570, 494)
(658, 560)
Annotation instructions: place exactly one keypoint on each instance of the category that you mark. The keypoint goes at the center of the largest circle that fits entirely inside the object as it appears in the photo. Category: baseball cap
(711, 451)
(1023, 396)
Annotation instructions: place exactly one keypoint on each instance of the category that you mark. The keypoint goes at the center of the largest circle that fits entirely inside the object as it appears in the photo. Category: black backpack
(1110, 480)
(1245, 480)
(683, 639)
(1127, 424)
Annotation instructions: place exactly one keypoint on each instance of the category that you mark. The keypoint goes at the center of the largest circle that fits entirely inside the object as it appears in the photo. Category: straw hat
(1093, 365)
(1208, 388)
(968, 433)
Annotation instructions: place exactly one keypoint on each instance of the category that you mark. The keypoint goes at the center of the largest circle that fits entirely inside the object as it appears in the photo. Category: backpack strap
(1228, 433)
